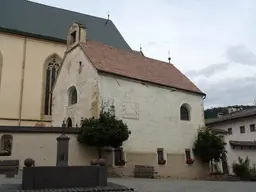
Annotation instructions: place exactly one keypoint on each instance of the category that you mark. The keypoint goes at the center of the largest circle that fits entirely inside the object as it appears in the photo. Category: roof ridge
(148, 58)
(63, 9)
(155, 71)
(131, 52)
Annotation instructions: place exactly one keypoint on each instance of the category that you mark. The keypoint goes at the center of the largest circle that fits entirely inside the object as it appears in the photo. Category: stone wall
(42, 147)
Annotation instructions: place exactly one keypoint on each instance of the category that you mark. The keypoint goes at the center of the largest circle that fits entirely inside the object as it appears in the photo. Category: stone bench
(144, 171)
(9, 167)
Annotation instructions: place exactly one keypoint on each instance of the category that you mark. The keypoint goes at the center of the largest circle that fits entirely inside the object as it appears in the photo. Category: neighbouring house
(161, 106)
(32, 44)
(239, 132)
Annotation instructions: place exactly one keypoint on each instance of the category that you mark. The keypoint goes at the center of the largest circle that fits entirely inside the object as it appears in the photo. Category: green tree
(106, 131)
(209, 146)
(242, 168)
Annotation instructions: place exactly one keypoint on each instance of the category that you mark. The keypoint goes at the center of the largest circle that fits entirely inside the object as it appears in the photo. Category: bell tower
(77, 34)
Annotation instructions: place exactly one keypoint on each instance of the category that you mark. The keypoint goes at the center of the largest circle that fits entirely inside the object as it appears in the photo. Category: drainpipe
(203, 110)
(22, 79)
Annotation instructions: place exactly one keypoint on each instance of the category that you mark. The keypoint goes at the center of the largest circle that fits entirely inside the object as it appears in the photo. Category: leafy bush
(209, 146)
(242, 168)
(107, 131)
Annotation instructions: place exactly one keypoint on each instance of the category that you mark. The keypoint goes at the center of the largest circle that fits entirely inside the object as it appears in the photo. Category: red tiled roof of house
(132, 65)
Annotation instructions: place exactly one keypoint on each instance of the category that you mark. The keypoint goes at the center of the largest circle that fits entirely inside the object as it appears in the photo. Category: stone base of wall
(42, 147)
(25, 122)
(175, 166)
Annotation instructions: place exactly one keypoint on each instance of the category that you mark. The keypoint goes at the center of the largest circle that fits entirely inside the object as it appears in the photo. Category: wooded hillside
(212, 112)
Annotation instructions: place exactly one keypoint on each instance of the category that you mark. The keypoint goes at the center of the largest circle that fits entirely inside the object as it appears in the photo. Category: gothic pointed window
(51, 71)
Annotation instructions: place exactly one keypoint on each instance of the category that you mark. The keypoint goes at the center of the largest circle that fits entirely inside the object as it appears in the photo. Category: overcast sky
(212, 42)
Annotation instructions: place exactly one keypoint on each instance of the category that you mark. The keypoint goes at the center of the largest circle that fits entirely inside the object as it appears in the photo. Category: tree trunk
(99, 152)
(211, 167)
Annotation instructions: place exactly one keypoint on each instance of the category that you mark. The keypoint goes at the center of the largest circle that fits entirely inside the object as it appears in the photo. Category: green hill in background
(213, 112)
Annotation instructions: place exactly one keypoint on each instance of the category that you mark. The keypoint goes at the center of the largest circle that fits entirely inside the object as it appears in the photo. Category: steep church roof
(135, 66)
(41, 21)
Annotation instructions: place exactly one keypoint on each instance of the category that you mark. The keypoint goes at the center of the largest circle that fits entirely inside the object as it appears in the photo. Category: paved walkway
(155, 185)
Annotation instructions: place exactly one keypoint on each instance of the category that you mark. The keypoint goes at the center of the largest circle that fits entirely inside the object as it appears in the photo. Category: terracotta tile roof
(132, 65)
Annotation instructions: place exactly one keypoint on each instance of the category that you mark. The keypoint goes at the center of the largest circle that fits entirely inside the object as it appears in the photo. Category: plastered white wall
(15, 49)
(42, 147)
(233, 154)
(153, 114)
(85, 79)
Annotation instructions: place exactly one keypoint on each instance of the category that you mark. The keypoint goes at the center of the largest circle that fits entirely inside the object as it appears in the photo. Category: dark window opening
(188, 154)
(73, 37)
(51, 73)
(230, 131)
(119, 156)
(242, 129)
(252, 127)
(184, 113)
(72, 96)
(6, 144)
(160, 154)
(69, 122)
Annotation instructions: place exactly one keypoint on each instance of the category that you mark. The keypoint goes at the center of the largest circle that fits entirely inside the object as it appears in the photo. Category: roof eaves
(62, 9)
(243, 143)
(219, 131)
(37, 36)
(229, 118)
(198, 93)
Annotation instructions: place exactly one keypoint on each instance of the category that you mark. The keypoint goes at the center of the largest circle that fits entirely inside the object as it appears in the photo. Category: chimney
(77, 34)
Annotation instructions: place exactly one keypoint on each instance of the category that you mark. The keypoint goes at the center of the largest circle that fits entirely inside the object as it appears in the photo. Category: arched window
(184, 113)
(69, 122)
(52, 67)
(72, 95)
(6, 144)
(1, 66)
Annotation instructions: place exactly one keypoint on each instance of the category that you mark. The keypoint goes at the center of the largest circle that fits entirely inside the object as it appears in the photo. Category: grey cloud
(240, 54)
(152, 43)
(237, 54)
(230, 91)
(209, 70)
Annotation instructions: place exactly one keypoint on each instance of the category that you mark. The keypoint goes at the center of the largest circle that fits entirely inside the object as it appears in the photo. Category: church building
(32, 45)
(161, 106)
(57, 65)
